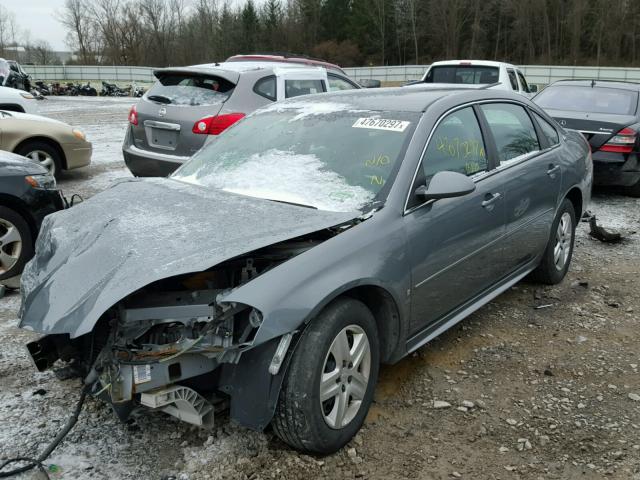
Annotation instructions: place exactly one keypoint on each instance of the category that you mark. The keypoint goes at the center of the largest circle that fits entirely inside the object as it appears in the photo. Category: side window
(295, 88)
(523, 82)
(266, 87)
(548, 130)
(512, 130)
(456, 146)
(338, 83)
(513, 80)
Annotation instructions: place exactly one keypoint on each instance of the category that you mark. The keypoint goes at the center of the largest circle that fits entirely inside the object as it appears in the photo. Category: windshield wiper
(160, 99)
(292, 203)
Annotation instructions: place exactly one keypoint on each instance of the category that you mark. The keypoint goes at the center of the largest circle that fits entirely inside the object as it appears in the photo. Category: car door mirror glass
(533, 88)
(446, 185)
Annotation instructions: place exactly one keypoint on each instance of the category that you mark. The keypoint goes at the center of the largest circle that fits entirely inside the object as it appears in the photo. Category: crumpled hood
(93, 255)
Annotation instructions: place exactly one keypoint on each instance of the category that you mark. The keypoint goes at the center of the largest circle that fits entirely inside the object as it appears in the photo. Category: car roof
(480, 63)
(599, 83)
(285, 58)
(399, 99)
(232, 71)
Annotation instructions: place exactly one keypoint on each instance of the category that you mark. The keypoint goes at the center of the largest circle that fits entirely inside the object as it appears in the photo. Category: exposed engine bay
(162, 346)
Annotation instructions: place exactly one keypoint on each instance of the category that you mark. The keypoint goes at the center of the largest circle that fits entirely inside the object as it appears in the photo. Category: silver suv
(190, 105)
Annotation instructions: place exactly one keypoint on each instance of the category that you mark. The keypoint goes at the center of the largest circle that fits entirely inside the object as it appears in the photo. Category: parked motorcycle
(112, 90)
(42, 88)
(87, 90)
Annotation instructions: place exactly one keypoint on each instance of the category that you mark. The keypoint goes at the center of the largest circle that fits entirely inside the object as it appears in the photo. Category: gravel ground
(513, 392)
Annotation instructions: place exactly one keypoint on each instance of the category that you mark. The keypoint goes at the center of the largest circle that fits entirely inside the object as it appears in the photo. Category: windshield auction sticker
(382, 124)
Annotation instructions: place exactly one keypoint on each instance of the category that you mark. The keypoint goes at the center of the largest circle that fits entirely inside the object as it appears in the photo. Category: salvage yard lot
(523, 392)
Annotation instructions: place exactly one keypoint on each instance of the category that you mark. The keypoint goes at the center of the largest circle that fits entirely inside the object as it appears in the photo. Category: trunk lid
(597, 128)
(180, 97)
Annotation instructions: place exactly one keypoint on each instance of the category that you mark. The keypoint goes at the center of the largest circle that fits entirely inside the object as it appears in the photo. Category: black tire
(548, 272)
(299, 419)
(37, 145)
(8, 216)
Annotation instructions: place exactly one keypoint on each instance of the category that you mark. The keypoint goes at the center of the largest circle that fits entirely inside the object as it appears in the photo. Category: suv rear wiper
(159, 98)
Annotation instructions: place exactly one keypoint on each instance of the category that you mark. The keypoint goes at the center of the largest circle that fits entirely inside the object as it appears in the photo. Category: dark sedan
(27, 194)
(312, 241)
(607, 114)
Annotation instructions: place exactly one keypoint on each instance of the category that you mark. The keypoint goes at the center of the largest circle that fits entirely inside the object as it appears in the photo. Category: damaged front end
(177, 346)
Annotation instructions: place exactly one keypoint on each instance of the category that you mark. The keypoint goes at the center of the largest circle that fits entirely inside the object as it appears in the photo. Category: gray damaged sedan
(317, 238)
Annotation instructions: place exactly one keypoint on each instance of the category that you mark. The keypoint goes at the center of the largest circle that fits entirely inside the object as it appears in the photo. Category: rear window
(587, 99)
(471, 74)
(189, 89)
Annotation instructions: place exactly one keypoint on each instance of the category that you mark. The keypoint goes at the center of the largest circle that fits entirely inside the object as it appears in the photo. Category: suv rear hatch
(179, 99)
(601, 114)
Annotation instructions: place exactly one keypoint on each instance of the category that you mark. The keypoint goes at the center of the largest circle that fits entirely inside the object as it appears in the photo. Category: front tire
(43, 153)
(329, 385)
(16, 243)
(559, 252)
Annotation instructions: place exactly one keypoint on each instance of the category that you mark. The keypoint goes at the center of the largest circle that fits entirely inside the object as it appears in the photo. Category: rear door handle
(490, 199)
(552, 170)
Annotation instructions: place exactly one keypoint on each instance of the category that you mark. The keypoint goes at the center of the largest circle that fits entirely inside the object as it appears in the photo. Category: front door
(453, 242)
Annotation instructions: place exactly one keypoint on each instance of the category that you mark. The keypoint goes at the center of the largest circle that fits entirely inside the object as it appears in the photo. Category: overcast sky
(38, 18)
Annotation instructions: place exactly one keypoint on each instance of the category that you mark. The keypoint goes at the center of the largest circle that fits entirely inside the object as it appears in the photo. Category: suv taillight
(216, 125)
(622, 142)
(133, 115)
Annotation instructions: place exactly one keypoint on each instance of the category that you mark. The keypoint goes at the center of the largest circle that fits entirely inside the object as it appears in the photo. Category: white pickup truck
(477, 72)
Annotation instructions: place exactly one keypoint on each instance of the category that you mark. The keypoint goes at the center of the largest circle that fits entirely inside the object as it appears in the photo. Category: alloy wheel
(345, 376)
(564, 238)
(44, 159)
(10, 245)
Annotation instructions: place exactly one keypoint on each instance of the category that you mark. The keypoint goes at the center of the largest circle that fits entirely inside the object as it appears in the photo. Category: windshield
(588, 99)
(189, 89)
(468, 74)
(314, 154)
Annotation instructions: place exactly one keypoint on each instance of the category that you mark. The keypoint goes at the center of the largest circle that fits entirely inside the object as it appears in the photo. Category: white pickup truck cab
(477, 72)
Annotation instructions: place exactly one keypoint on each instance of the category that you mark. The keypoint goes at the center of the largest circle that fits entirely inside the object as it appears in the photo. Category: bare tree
(76, 17)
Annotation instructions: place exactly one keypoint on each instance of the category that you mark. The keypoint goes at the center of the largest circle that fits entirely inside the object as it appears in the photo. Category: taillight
(622, 142)
(133, 115)
(216, 125)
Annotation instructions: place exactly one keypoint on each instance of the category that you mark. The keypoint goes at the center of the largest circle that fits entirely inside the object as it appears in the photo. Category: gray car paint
(378, 254)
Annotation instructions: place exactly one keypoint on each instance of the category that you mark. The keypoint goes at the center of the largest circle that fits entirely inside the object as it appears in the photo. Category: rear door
(300, 81)
(530, 170)
(170, 109)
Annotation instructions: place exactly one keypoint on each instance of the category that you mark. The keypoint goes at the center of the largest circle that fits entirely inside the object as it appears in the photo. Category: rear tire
(557, 256)
(337, 357)
(44, 153)
(16, 243)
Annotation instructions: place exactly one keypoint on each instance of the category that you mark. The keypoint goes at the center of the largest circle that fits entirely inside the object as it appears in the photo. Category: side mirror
(533, 88)
(446, 185)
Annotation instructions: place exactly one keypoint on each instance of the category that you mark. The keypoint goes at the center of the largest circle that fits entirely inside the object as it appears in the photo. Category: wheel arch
(385, 311)
(574, 195)
(48, 140)
(12, 107)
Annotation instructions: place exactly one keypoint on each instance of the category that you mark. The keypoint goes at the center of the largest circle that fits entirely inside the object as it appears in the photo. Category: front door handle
(490, 199)
(552, 170)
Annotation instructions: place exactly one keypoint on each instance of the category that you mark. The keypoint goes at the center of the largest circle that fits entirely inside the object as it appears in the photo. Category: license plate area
(162, 135)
